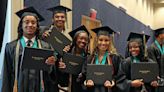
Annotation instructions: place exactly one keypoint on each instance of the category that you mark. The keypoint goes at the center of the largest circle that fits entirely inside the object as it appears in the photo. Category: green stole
(35, 45)
(103, 60)
(159, 47)
(135, 60)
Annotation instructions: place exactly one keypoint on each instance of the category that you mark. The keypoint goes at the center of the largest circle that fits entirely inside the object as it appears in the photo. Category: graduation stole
(159, 47)
(23, 43)
(103, 60)
(135, 59)
(70, 75)
(15, 87)
(106, 56)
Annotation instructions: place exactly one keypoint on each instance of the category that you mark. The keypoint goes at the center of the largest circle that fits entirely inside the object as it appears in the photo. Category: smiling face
(103, 42)
(134, 48)
(59, 19)
(82, 40)
(29, 25)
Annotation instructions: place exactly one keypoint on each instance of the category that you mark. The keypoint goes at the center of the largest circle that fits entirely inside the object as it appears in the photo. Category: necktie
(29, 43)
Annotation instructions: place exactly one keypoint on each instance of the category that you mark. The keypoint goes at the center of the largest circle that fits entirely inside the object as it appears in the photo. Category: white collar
(26, 39)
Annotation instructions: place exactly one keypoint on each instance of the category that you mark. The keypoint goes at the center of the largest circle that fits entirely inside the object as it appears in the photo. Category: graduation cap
(29, 11)
(133, 36)
(59, 9)
(143, 38)
(81, 28)
(105, 30)
(159, 31)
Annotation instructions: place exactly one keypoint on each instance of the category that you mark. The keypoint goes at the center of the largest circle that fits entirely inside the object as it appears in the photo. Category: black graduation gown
(125, 78)
(116, 60)
(76, 83)
(155, 54)
(62, 78)
(24, 82)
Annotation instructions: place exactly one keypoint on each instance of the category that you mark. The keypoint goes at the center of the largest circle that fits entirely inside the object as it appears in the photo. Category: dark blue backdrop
(107, 13)
(112, 17)
(42, 6)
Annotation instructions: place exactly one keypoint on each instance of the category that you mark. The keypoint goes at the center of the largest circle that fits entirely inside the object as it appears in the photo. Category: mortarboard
(81, 28)
(143, 38)
(29, 11)
(159, 31)
(59, 9)
(133, 35)
(105, 30)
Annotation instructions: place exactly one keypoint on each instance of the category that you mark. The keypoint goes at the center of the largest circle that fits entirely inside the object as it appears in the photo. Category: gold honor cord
(113, 40)
(15, 87)
(70, 83)
(145, 47)
(145, 55)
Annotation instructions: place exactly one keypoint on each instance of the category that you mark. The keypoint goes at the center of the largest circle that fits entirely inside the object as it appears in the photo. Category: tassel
(70, 83)
(15, 88)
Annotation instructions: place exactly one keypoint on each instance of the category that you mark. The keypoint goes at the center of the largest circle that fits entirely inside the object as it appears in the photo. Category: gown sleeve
(153, 53)
(122, 77)
(8, 75)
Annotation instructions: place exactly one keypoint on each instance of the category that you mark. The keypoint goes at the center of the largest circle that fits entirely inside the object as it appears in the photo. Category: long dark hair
(141, 47)
(20, 29)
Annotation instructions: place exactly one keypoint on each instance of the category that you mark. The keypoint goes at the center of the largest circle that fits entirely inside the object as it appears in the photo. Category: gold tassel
(70, 81)
(15, 88)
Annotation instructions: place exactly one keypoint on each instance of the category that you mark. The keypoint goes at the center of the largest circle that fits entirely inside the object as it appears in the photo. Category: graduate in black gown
(135, 53)
(16, 79)
(79, 47)
(59, 19)
(156, 52)
(104, 53)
